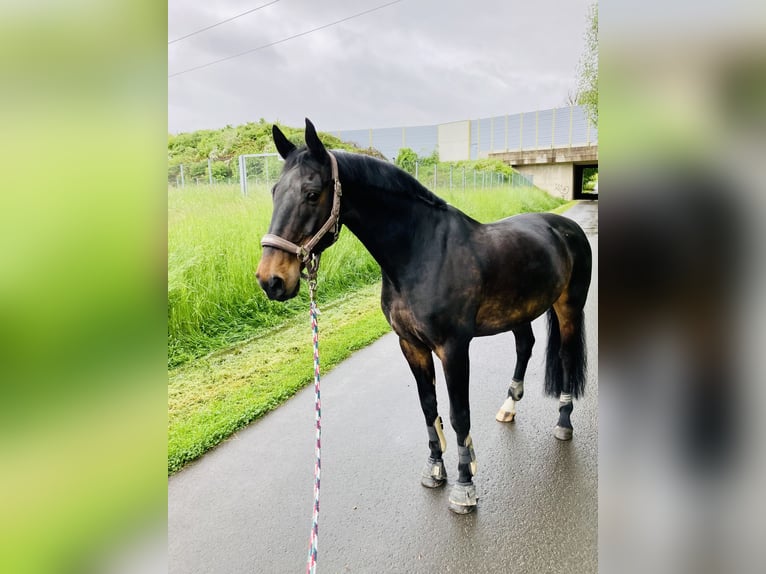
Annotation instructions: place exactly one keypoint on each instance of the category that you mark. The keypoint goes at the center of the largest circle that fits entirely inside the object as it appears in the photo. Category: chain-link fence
(264, 171)
(440, 175)
(206, 172)
(259, 169)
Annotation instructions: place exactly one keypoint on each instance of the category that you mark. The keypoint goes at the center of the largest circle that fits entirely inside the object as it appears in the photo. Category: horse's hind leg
(572, 355)
(422, 365)
(525, 340)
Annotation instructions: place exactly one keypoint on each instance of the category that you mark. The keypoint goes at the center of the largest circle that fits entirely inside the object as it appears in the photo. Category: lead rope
(312, 266)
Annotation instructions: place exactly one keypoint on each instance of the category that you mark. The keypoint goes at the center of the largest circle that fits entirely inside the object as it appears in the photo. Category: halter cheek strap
(303, 252)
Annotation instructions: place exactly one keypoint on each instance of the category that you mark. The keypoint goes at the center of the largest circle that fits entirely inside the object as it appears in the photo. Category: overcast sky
(417, 62)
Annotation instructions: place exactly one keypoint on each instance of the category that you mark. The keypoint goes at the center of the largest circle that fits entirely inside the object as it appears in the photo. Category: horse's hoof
(434, 474)
(507, 412)
(562, 433)
(504, 416)
(462, 498)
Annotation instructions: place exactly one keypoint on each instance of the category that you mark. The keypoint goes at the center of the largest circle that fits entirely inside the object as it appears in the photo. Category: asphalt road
(246, 506)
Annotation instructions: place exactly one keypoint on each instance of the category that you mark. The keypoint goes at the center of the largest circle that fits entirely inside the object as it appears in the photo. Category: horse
(446, 278)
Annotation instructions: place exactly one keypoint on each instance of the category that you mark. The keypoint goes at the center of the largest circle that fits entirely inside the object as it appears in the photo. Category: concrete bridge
(559, 171)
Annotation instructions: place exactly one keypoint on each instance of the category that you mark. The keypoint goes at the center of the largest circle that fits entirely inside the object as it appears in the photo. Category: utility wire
(283, 39)
(223, 22)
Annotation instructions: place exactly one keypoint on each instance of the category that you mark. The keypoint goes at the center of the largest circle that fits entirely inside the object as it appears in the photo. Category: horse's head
(303, 202)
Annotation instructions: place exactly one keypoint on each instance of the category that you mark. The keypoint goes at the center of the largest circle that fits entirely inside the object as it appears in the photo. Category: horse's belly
(497, 316)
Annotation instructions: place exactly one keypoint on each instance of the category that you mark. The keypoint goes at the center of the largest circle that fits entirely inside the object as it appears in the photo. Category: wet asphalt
(246, 506)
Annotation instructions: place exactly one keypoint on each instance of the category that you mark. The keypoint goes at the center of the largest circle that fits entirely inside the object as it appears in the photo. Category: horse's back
(535, 233)
(527, 261)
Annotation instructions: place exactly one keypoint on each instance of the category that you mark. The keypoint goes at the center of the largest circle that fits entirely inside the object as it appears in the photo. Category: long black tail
(554, 370)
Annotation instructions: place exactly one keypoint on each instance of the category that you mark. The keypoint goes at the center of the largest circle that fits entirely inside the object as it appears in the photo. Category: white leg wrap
(509, 405)
(439, 426)
(517, 389)
(466, 454)
(565, 398)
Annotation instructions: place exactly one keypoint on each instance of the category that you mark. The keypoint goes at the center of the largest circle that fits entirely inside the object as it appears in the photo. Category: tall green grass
(214, 248)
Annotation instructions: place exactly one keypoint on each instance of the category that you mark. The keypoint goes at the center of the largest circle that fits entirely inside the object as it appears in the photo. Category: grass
(213, 251)
(564, 207)
(234, 355)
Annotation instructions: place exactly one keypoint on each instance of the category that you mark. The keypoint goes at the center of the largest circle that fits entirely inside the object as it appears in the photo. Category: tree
(406, 159)
(588, 68)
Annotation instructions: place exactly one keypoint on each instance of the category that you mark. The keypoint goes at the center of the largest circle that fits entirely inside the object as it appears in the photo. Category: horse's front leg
(462, 498)
(422, 365)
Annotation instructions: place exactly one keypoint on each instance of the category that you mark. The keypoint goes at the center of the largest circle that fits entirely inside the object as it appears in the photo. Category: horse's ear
(315, 146)
(284, 145)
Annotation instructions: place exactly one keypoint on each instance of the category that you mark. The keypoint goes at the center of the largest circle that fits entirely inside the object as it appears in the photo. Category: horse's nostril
(276, 284)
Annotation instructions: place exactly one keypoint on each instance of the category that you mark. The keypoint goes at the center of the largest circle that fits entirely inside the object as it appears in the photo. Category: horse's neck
(386, 223)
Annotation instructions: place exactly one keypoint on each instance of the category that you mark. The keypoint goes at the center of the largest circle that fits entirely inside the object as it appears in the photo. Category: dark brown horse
(446, 279)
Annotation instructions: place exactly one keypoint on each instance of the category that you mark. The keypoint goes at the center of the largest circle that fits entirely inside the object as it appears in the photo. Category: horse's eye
(313, 197)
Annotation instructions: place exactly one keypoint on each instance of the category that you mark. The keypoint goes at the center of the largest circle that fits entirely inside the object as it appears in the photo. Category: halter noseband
(333, 222)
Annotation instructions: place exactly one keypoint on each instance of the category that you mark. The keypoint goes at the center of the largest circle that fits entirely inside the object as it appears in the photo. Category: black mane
(371, 173)
(380, 175)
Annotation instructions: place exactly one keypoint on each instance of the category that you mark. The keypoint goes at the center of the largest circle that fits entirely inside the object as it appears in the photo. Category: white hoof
(507, 412)
(562, 433)
(504, 416)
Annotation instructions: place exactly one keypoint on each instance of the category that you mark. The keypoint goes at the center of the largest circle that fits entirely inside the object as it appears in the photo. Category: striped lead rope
(311, 563)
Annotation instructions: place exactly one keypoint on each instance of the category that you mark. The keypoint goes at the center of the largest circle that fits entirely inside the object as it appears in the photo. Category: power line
(284, 39)
(223, 21)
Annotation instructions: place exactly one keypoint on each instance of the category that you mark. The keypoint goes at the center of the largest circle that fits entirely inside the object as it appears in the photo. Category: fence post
(450, 176)
(183, 181)
(434, 176)
(463, 177)
(209, 172)
(242, 176)
(417, 164)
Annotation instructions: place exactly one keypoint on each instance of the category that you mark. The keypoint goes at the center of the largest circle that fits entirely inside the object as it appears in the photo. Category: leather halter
(333, 222)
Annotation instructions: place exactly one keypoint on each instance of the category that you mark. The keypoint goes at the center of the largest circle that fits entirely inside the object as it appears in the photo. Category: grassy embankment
(233, 355)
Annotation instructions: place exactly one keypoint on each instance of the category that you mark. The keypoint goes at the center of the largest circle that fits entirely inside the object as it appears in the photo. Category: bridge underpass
(559, 171)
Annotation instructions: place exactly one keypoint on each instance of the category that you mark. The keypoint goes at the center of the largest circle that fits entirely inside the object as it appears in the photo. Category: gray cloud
(413, 63)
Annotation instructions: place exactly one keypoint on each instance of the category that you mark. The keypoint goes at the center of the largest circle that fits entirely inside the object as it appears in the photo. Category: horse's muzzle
(279, 274)
(276, 290)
